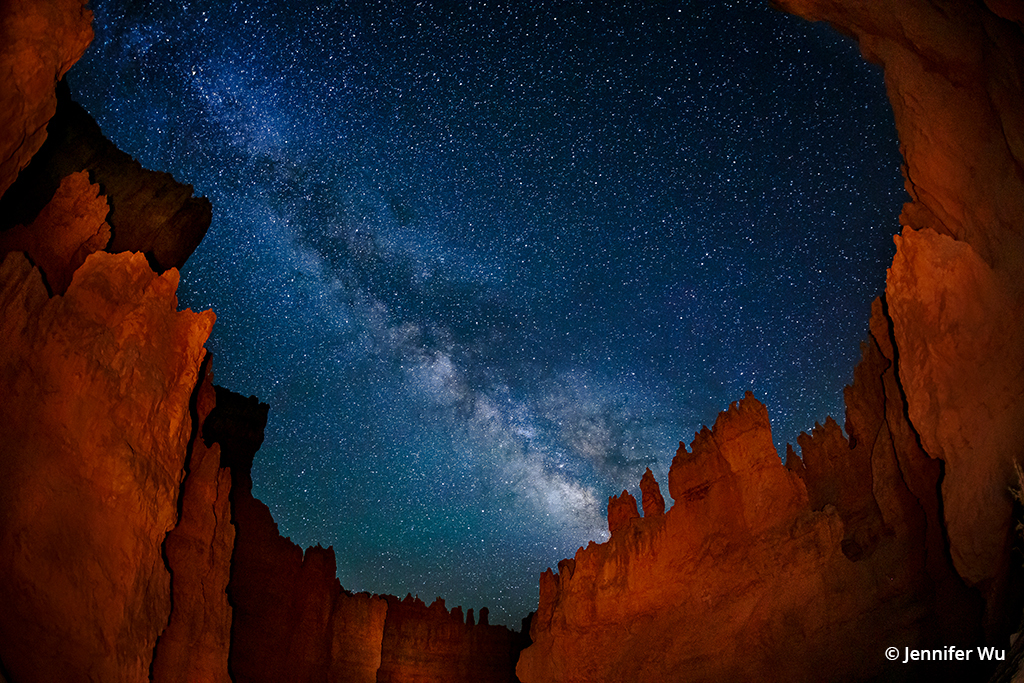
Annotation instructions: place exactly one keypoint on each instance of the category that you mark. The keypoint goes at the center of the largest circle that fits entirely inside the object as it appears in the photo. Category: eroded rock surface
(69, 228)
(195, 644)
(424, 643)
(652, 500)
(954, 74)
(95, 412)
(763, 571)
(897, 533)
(118, 514)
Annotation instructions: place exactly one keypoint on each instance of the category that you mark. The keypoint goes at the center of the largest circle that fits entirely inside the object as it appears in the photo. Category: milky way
(487, 262)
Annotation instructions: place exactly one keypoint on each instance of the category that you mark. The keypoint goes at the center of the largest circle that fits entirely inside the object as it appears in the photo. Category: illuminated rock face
(118, 511)
(95, 415)
(621, 509)
(954, 75)
(653, 501)
(98, 369)
(900, 535)
(765, 571)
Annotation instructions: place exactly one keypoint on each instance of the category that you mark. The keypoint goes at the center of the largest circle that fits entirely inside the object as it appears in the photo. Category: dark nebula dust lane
(488, 261)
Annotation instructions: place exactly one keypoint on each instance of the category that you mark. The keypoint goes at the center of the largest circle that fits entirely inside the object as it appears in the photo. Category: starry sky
(489, 261)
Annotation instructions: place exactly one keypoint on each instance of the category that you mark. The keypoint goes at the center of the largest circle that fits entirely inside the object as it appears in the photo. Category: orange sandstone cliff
(39, 42)
(763, 571)
(96, 424)
(131, 547)
(954, 72)
(899, 534)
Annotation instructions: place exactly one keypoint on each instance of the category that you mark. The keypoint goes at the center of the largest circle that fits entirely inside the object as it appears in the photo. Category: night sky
(488, 261)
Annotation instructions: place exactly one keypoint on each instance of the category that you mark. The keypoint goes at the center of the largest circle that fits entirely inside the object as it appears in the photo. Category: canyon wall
(96, 424)
(99, 370)
(419, 639)
(953, 73)
(900, 533)
(195, 643)
(131, 547)
(763, 571)
(39, 42)
(294, 622)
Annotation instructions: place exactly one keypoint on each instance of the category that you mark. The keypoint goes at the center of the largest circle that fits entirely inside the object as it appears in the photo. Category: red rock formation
(95, 414)
(954, 74)
(69, 228)
(98, 436)
(39, 41)
(653, 501)
(758, 572)
(961, 343)
(102, 474)
(762, 571)
(357, 637)
(621, 509)
(432, 644)
(289, 605)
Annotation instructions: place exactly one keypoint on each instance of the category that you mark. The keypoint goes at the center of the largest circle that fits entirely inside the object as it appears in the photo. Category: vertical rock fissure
(387, 609)
(947, 555)
(193, 413)
(904, 406)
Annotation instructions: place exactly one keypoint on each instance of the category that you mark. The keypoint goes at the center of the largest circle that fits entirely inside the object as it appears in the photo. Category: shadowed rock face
(294, 622)
(195, 644)
(430, 643)
(150, 212)
(69, 228)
